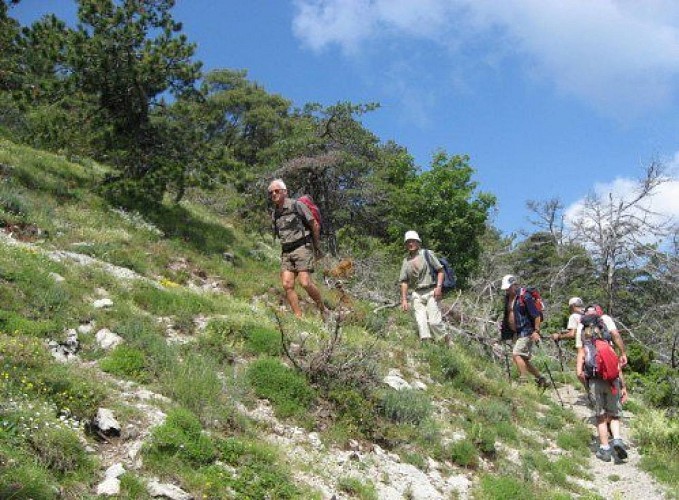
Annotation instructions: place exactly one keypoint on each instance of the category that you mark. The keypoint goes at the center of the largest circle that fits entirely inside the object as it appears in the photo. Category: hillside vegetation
(209, 398)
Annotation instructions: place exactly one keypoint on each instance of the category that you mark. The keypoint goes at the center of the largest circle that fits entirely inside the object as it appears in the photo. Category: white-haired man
(299, 234)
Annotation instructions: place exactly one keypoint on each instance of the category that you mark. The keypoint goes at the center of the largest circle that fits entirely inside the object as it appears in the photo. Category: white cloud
(664, 203)
(615, 54)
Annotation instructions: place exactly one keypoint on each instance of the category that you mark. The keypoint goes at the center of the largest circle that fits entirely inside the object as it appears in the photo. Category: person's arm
(316, 235)
(623, 389)
(404, 295)
(536, 332)
(564, 335)
(580, 364)
(617, 339)
(438, 291)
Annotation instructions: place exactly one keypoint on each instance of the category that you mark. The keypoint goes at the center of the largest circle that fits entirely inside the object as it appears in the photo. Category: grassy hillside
(208, 397)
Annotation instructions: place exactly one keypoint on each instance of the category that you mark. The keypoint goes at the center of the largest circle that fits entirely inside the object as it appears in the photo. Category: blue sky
(549, 99)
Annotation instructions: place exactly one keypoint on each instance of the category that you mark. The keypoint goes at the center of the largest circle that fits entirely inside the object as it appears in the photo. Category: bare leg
(310, 287)
(522, 365)
(534, 371)
(288, 281)
(602, 429)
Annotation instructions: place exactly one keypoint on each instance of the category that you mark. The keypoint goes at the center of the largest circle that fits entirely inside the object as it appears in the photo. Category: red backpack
(537, 299)
(601, 361)
(313, 208)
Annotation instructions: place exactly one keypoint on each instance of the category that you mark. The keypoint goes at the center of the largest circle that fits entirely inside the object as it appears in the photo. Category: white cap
(412, 235)
(507, 281)
(576, 301)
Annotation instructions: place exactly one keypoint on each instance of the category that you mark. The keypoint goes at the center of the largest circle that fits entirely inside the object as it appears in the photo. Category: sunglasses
(275, 191)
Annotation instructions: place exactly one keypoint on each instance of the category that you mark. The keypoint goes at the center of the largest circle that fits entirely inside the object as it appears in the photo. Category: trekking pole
(549, 373)
(558, 347)
(509, 373)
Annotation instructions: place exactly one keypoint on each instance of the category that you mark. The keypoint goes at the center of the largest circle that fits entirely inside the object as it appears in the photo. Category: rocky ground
(624, 480)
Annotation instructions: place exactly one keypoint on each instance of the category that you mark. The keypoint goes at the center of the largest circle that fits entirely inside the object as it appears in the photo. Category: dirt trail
(625, 480)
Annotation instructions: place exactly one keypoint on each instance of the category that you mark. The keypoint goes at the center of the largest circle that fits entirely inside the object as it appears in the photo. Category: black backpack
(449, 279)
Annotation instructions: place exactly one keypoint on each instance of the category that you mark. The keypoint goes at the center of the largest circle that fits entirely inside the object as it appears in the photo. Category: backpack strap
(298, 213)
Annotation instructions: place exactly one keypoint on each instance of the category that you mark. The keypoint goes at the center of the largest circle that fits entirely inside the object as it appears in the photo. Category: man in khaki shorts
(300, 235)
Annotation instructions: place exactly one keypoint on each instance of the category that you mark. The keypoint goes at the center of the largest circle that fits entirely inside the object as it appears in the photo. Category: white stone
(170, 491)
(107, 339)
(106, 422)
(109, 487)
(420, 385)
(315, 441)
(116, 470)
(86, 328)
(57, 277)
(396, 382)
(102, 303)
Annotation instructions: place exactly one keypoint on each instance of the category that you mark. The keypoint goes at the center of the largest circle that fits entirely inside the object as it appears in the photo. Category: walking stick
(558, 347)
(549, 373)
(509, 373)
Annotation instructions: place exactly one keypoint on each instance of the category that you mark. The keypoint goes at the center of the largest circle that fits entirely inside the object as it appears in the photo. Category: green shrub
(76, 393)
(262, 340)
(60, 450)
(21, 353)
(132, 487)
(574, 438)
(26, 481)
(127, 362)
(639, 358)
(504, 487)
(654, 430)
(14, 204)
(415, 459)
(492, 411)
(260, 472)
(194, 383)
(357, 488)
(464, 453)
(408, 406)
(354, 410)
(181, 436)
(18, 324)
(287, 390)
(483, 437)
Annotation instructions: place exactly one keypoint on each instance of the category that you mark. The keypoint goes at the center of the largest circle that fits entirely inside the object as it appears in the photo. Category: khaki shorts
(523, 347)
(299, 259)
(605, 402)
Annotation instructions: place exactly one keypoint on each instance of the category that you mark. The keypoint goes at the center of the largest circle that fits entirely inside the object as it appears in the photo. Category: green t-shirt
(415, 270)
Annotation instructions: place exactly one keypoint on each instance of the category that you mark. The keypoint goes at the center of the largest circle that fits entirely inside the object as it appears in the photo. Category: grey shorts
(605, 402)
(523, 347)
(299, 259)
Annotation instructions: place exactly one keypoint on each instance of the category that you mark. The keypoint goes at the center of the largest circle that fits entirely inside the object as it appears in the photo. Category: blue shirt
(525, 314)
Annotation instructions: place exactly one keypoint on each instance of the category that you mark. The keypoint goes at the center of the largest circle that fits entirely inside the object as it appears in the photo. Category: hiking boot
(542, 382)
(619, 449)
(604, 455)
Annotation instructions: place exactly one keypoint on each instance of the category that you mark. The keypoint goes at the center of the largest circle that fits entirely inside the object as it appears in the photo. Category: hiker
(522, 321)
(426, 291)
(299, 246)
(607, 396)
(576, 306)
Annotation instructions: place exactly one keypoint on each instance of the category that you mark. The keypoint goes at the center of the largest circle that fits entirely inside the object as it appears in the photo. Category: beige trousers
(427, 315)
